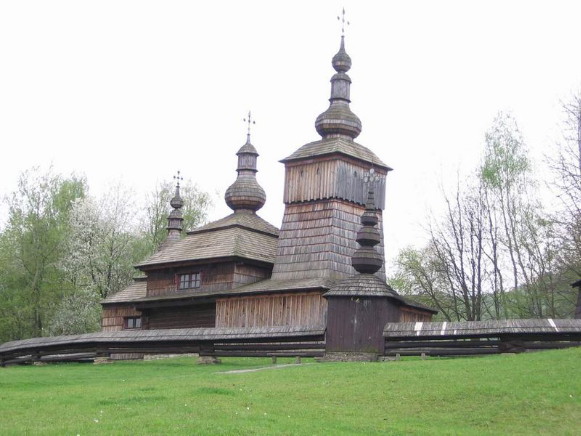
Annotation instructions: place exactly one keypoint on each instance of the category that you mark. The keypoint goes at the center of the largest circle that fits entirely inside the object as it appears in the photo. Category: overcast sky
(132, 91)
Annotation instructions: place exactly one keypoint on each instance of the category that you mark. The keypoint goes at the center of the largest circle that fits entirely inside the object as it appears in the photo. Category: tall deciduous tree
(32, 247)
(566, 166)
(104, 242)
(493, 253)
(195, 209)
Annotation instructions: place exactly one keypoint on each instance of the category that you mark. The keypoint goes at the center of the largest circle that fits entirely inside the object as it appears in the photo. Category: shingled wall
(318, 240)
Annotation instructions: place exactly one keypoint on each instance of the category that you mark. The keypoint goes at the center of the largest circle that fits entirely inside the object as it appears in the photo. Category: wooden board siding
(356, 324)
(331, 178)
(408, 314)
(112, 317)
(297, 309)
(180, 317)
(318, 240)
(216, 277)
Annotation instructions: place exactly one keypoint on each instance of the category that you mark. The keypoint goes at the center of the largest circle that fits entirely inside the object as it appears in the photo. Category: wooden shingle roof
(270, 285)
(144, 337)
(242, 235)
(137, 289)
(481, 328)
(336, 145)
(367, 285)
(241, 219)
(263, 286)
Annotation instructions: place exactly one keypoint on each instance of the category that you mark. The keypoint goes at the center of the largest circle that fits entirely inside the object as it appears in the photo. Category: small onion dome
(366, 259)
(338, 118)
(176, 202)
(245, 192)
(342, 61)
(175, 218)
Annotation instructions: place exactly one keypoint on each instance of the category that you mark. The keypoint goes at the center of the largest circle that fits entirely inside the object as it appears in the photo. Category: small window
(133, 322)
(188, 281)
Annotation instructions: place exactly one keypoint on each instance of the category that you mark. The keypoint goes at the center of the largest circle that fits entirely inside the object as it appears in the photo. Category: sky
(132, 91)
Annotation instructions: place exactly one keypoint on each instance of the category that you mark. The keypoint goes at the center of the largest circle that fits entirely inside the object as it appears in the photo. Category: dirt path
(241, 371)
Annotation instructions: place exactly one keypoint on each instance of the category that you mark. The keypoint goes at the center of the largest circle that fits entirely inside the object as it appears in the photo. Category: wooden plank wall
(356, 324)
(246, 274)
(408, 314)
(307, 309)
(112, 317)
(318, 240)
(319, 179)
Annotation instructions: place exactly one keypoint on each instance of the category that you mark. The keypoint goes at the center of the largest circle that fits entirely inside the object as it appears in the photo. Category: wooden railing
(406, 338)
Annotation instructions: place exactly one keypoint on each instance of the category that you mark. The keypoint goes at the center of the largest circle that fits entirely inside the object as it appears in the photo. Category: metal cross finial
(178, 178)
(250, 121)
(370, 177)
(342, 19)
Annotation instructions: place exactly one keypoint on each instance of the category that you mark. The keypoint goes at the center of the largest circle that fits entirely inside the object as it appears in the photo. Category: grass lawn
(533, 393)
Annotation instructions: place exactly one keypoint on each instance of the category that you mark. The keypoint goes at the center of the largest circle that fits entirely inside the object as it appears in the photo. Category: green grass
(535, 393)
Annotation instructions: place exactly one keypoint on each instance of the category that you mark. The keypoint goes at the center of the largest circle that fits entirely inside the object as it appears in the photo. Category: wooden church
(323, 268)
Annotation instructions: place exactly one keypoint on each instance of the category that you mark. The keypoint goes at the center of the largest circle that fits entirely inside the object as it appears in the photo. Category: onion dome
(366, 259)
(245, 193)
(175, 218)
(338, 120)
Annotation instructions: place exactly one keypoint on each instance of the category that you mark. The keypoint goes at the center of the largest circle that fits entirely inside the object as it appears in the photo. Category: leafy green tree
(195, 210)
(76, 313)
(104, 242)
(32, 246)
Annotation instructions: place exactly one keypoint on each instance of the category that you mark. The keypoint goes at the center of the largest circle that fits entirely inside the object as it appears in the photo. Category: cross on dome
(343, 22)
(178, 178)
(250, 121)
(371, 176)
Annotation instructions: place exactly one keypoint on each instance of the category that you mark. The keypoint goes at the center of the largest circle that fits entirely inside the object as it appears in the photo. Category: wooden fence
(480, 337)
(403, 338)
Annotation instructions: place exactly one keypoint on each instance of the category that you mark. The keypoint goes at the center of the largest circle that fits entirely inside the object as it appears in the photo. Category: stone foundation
(348, 357)
(208, 360)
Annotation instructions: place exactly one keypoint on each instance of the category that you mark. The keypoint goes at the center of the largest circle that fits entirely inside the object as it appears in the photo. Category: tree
(76, 313)
(566, 167)
(418, 276)
(451, 270)
(195, 209)
(493, 254)
(32, 247)
(104, 242)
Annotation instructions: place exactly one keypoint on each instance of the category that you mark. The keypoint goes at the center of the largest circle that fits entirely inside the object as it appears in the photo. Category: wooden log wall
(198, 316)
(318, 240)
(321, 178)
(112, 317)
(297, 309)
(214, 277)
(275, 349)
